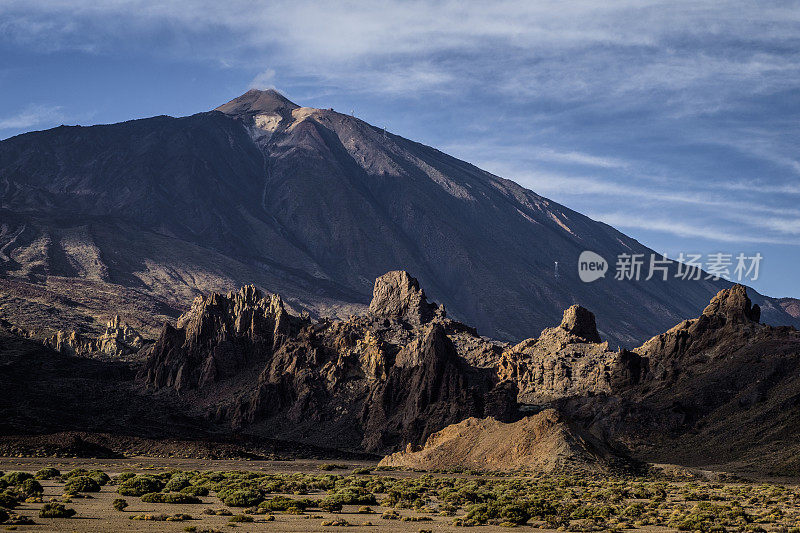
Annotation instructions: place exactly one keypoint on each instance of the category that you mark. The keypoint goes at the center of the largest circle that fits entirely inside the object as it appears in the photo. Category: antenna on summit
(384, 132)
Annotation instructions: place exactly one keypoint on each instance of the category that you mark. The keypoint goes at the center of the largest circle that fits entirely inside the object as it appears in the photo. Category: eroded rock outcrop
(729, 319)
(397, 295)
(717, 389)
(217, 337)
(373, 382)
(117, 340)
(568, 360)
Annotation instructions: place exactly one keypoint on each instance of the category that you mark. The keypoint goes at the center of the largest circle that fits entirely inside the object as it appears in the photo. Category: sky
(676, 122)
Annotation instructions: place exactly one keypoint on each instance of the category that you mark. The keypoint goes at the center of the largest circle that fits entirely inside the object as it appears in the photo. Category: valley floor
(674, 499)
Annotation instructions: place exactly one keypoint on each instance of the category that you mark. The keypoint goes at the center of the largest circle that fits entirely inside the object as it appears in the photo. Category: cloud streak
(33, 116)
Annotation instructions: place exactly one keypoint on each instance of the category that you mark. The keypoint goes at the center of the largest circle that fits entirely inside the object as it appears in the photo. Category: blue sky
(676, 122)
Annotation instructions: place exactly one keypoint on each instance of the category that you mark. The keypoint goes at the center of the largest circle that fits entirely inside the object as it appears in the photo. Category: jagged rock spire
(734, 305)
(580, 322)
(398, 295)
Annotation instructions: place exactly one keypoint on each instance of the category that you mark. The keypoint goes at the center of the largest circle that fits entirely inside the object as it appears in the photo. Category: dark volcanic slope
(312, 204)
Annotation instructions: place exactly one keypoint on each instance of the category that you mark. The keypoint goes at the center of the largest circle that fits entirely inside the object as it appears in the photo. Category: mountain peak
(256, 101)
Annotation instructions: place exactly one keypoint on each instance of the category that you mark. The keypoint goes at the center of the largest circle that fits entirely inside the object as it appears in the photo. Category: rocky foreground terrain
(243, 371)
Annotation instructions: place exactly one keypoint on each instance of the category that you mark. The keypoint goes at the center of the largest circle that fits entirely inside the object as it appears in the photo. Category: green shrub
(362, 471)
(516, 514)
(125, 476)
(241, 518)
(55, 510)
(119, 504)
(195, 490)
(101, 477)
(76, 472)
(281, 503)
(47, 473)
(16, 478)
(8, 500)
(169, 497)
(330, 505)
(81, 484)
(177, 482)
(327, 467)
(140, 485)
(31, 487)
(353, 496)
(242, 498)
(217, 512)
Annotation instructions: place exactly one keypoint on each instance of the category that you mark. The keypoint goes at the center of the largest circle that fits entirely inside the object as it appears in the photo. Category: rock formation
(568, 360)
(374, 382)
(397, 295)
(546, 442)
(729, 320)
(717, 389)
(219, 336)
(118, 339)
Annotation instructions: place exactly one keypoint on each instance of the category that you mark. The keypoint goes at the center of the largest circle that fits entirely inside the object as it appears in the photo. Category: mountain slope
(312, 204)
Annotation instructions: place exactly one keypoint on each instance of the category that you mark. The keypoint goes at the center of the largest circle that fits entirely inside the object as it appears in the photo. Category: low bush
(327, 467)
(55, 510)
(241, 518)
(101, 477)
(282, 503)
(195, 490)
(330, 505)
(177, 482)
(16, 478)
(337, 522)
(125, 476)
(9, 500)
(81, 484)
(119, 504)
(353, 496)
(169, 497)
(140, 485)
(47, 473)
(217, 512)
(31, 487)
(76, 472)
(242, 498)
(180, 517)
(515, 514)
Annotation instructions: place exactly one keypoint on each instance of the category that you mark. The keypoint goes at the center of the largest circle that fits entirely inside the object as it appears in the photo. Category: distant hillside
(308, 203)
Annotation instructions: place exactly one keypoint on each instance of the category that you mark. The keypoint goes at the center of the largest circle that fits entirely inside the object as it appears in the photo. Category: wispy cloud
(628, 221)
(543, 49)
(33, 116)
